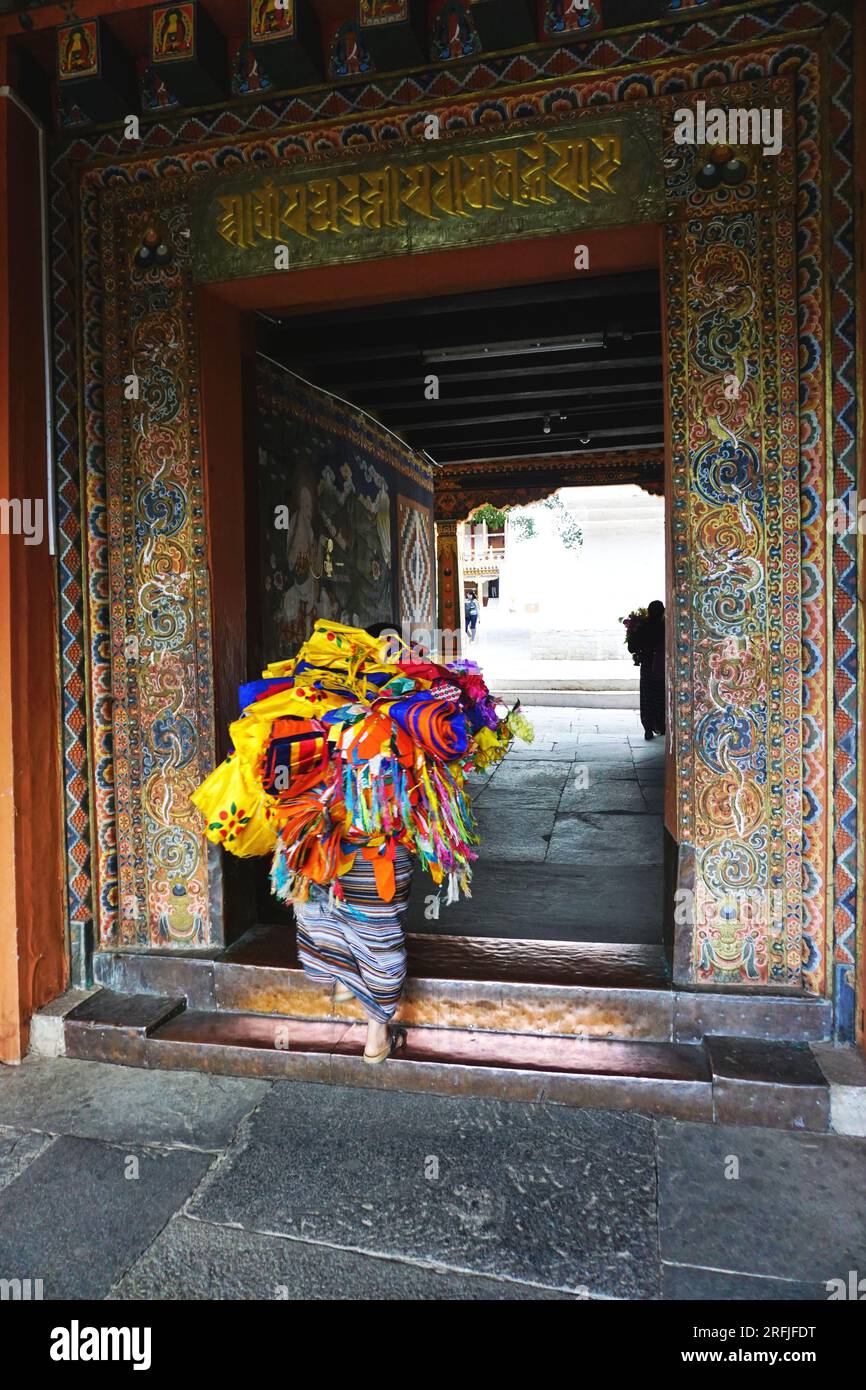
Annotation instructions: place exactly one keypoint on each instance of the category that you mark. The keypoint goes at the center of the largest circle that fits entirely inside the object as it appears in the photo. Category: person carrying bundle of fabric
(346, 768)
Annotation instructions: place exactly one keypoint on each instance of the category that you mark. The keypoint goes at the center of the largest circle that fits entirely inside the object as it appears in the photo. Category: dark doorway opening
(572, 839)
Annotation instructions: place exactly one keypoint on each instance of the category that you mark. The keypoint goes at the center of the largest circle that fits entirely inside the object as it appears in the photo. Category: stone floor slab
(76, 1219)
(18, 1148)
(99, 1101)
(653, 795)
(195, 1260)
(609, 751)
(607, 838)
(515, 833)
(529, 753)
(547, 775)
(797, 1210)
(602, 795)
(685, 1282)
(550, 902)
(564, 1198)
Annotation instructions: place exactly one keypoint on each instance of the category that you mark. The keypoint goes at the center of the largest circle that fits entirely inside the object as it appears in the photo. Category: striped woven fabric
(437, 725)
(359, 942)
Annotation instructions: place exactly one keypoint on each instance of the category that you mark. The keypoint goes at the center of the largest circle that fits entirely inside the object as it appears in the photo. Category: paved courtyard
(126, 1184)
(571, 835)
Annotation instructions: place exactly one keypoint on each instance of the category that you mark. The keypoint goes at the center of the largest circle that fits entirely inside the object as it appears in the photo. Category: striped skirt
(359, 942)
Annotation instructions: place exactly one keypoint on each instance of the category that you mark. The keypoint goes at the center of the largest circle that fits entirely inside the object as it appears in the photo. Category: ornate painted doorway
(745, 295)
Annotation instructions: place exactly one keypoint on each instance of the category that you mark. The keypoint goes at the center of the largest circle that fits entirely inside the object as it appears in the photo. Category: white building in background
(571, 600)
(483, 556)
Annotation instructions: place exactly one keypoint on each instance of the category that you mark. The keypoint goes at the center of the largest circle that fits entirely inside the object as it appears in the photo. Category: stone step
(533, 685)
(601, 698)
(750, 1082)
(112, 1027)
(551, 988)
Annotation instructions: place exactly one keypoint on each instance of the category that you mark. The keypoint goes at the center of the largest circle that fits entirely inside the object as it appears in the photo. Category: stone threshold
(483, 984)
(732, 1080)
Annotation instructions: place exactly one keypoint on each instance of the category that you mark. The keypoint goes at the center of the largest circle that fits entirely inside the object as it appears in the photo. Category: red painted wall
(33, 967)
(860, 244)
(226, 344)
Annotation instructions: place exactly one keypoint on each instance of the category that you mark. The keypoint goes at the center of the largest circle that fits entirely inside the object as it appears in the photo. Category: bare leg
(377, 1035)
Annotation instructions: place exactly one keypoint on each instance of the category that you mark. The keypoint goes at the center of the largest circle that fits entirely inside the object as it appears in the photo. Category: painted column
(733, 353)
(448, 579)
(160, 881)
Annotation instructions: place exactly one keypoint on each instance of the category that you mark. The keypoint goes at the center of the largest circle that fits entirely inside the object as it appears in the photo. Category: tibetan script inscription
(599, 172)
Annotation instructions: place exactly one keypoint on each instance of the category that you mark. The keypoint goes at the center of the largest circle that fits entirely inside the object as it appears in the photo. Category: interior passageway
(572, 841)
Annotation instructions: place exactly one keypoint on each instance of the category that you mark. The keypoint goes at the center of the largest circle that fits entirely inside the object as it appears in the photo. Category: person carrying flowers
(645, 639)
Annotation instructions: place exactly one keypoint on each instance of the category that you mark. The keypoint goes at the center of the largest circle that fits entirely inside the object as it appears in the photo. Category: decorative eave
(460, 487)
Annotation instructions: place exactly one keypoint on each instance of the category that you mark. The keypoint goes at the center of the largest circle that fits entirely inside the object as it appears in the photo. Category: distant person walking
(471, 614)
(646, 643)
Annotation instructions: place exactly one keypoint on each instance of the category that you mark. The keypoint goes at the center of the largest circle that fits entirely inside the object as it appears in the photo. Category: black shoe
(648, 733)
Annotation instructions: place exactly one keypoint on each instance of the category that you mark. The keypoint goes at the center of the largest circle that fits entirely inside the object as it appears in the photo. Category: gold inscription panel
(601, 170)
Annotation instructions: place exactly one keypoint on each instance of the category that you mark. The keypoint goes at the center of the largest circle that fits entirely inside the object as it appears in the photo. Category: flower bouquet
(633, 624)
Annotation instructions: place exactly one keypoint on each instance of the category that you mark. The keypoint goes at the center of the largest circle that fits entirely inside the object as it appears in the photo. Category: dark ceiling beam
(607, 363)
(507, 362)
(432, 356)
(553, 394)
(497, 446)
(457, 421)
(631, 286)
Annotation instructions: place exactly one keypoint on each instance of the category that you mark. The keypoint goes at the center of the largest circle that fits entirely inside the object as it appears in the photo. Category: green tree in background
(492, 515)
(523, 523)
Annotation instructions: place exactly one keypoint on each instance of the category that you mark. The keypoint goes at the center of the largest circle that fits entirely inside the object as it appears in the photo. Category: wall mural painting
(752, 731)
(349, 55)
(325, 515)
(416, 549)
(572, 17)
(269, 20)
(453, 33)
(172, 32)
(683, 6)
(373, 12)
(78, 51)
